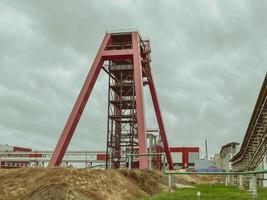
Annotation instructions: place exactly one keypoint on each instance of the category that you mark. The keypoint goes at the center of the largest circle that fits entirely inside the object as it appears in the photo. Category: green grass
(210, 192)
(262, 193)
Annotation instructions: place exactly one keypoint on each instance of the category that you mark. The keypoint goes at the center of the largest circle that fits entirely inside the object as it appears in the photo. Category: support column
(264, 184)
(170, 180)
(240, 181)
(160, 122)
(78, 107)
(250, 184)
(254, 186)
(150, 138)
(130, 161)
(138, 80)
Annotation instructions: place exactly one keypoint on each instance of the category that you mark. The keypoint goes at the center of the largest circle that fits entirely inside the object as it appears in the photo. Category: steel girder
(111, 49)
(254, 146)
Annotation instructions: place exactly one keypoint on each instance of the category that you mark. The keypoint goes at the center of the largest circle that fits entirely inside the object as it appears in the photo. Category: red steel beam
(160, 122)
(79, 105)
(138, 79)
(122, 52)
(86, 90)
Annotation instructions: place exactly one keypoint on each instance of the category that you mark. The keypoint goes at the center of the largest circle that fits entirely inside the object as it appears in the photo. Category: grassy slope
(210, 192)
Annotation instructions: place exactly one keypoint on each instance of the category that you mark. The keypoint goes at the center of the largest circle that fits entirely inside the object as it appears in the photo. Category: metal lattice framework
(254, 146)
(122, 135)
(125, 57)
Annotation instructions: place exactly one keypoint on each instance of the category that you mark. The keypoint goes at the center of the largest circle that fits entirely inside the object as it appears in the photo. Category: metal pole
(170, 180)
(206, 149)
(164, 163)
(254, 186)
(86, 161)
(108, 125)
(218, 173)
(150, 150)
(130, 162)
(240, 181)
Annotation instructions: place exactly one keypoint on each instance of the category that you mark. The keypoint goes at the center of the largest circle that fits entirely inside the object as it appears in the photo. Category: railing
(44, 156)
(251, 174)
(119, 46)
(121, 67)
(125, 30)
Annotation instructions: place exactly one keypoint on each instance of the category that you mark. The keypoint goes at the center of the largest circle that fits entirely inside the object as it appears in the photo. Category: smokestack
(206, 147)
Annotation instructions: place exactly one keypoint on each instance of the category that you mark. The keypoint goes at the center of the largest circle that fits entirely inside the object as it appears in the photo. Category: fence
(250, 174)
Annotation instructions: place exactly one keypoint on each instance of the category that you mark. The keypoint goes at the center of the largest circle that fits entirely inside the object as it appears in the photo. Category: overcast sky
(209, 58)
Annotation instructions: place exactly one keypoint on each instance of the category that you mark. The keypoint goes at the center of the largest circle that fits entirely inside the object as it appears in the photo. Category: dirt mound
(197, 179)
(84, 184)
(67, 183)
(59, 192)
(212, 179)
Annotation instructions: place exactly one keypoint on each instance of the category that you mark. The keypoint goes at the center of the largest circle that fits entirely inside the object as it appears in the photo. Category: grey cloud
(208, 57)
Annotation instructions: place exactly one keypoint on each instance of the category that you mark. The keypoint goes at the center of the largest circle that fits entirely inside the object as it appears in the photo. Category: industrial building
(184, 157)
(222, 159)
(9, 151)
(14, 157)
(226, 154)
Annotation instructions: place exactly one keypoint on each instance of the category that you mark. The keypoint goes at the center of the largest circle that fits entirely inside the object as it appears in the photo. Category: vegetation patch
(209, 192)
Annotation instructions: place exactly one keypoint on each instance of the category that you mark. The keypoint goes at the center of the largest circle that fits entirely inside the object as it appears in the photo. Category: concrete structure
(217, 160)
(226, 154)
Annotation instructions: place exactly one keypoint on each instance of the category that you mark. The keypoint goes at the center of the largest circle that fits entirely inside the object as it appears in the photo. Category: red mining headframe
(125, 57)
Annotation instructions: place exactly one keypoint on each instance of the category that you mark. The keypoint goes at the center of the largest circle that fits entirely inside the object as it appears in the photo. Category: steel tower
(125, 57)
(122, 137)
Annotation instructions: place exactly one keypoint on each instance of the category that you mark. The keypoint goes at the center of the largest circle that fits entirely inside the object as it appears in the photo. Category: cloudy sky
(209, 58)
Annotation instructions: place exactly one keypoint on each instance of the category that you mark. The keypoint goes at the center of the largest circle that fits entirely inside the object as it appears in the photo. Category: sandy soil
(84, 184)
(78, 184)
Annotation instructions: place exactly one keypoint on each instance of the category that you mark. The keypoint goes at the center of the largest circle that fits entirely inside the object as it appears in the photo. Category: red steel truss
(126, 59)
